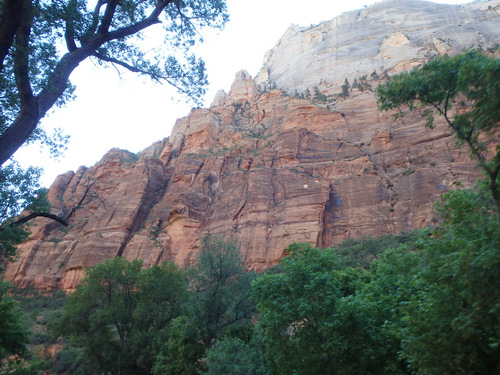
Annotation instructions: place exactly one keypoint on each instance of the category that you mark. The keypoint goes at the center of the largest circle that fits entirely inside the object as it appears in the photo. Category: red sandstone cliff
(264, 167)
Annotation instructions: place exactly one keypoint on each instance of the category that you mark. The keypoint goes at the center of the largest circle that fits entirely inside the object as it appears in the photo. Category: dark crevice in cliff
(153, 193)
(387, 193)
(198, 171)
(175, 153)
(244, 199)
(326, 232)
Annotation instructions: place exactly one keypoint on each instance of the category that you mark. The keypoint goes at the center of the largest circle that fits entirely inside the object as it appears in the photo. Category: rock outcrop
(269, 168)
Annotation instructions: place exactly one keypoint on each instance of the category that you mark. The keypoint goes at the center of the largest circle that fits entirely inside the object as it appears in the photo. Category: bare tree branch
(81, 202)
(127, 66)
(33, 215)
(88, 196)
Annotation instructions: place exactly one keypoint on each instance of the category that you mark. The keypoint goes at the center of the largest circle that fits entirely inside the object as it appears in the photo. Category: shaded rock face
(263, 167)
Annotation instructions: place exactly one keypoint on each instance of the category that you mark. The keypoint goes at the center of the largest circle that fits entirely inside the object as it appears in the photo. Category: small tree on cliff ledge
(34, 74)
(465, 91)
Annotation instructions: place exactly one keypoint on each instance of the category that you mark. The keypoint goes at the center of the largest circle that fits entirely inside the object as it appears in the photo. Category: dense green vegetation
(428, 303)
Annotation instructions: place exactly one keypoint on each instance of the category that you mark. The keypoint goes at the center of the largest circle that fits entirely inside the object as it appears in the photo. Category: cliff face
(391, 35)
(268, 168)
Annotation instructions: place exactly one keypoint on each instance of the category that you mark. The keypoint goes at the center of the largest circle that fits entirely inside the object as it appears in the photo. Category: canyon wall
(281, 158)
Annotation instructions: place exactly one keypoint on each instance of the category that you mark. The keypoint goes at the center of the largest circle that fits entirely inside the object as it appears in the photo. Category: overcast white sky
(131, 113)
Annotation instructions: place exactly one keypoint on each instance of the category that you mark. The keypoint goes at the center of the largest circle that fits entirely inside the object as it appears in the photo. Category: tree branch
(467, 138)
(28, 118)
(61, 219)
(21, 57)
(81, 201)
(127, 66)
(95, 18)
(12, 11)
(33, 215)
(108, 16)
(461, 136)
(100, 39)
(69, 34)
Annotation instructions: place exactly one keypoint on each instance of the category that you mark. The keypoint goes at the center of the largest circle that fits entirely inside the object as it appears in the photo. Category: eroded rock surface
(267, 168)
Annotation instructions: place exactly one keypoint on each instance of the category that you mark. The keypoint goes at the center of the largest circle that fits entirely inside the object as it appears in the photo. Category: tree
(465, 91)
(233, 356)
(34, 74)
(453, 325)
(452, 321)
(19, 190)
(120, 313)
(13, 334)
(219, 305)
(345, 89)
(220, 302)
(312, 321)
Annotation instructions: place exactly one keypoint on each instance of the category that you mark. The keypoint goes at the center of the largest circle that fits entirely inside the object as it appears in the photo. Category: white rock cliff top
(392, 36)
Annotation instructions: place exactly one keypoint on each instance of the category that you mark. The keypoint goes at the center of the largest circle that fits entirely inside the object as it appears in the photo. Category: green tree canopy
(312, 321)
(120, 313)
(453, 322)
(13, 334)
(220, 301)
(464, 90)
(182, 352)
(219, 305)
(43, 41)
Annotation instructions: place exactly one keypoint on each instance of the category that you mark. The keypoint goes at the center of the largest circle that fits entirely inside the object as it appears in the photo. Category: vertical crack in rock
(244, 196)
(388, 194)
(198, 171)
(326, 234)
(152, 195)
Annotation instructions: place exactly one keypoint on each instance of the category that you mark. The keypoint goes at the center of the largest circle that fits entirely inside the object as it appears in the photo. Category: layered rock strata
(264, 167)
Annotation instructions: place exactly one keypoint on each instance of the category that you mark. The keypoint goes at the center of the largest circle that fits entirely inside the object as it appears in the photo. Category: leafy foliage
(119, 313)
(183, 350)
(13, 333)
(221, 300)
(19, 190)
(35, 68)
(359, 252)
(312, 321)
(233, 356)
(453, 325)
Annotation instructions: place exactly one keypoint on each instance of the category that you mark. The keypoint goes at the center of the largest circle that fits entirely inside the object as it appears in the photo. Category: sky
(122, 110)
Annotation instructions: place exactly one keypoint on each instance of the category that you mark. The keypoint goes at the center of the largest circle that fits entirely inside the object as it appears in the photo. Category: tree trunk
(12, 11)
(34, 108)
(16, 134)
(27, 120)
